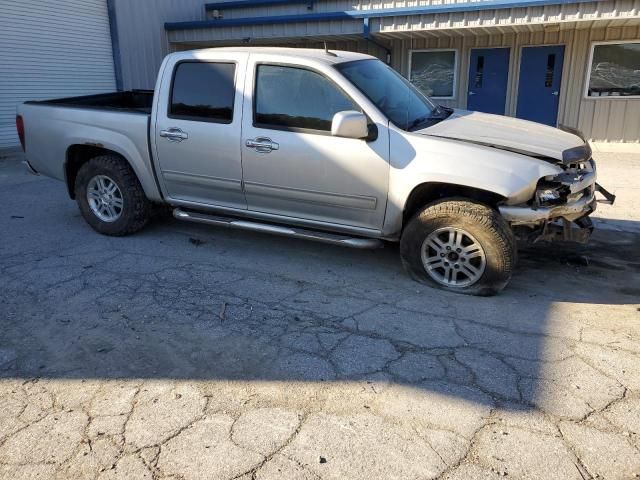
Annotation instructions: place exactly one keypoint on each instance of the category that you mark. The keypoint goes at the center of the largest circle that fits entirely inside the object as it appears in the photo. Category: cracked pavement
(189, 352)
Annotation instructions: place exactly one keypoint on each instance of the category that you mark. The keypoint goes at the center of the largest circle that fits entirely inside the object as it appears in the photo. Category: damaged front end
(562, 204)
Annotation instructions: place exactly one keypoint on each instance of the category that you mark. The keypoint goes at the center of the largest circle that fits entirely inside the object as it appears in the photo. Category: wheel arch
(429, 192)
(79, 154)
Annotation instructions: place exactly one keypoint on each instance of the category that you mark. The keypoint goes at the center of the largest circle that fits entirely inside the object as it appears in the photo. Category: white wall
(51, 49)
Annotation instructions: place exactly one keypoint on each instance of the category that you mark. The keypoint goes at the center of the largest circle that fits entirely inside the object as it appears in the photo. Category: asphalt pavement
(190, 352)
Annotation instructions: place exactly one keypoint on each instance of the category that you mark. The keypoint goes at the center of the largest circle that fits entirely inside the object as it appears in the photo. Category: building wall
(48, 50)
(608, 119)
(142, 40)
(604, 119)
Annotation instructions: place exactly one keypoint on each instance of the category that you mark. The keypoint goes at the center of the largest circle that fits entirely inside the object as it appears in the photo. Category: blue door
(539, 87)
(488, 76)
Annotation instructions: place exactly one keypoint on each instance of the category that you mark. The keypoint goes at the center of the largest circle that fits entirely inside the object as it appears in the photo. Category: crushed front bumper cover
(568, 222)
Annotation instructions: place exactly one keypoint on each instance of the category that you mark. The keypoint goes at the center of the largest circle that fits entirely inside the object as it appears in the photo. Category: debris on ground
(196, 241)
(323, 460)
(578, 260)
(223, 311)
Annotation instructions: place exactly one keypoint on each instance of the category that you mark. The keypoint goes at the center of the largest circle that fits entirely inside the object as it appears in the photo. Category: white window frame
(590, 65)
(456, 62)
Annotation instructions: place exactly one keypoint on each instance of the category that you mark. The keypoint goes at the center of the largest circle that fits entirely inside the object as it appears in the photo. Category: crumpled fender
(417, 159)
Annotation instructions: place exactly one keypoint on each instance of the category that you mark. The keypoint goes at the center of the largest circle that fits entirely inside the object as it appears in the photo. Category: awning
(463, 17)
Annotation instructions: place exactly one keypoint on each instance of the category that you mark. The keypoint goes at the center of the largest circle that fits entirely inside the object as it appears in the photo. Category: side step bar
(325, 237)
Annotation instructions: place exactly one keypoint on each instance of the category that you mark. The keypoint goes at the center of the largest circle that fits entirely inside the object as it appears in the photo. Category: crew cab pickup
(325, 145)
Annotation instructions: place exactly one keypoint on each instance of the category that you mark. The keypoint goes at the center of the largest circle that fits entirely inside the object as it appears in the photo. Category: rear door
(197, 131)
(488, 76)
(293, 166)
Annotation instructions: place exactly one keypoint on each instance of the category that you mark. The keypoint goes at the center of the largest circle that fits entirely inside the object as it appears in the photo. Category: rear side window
(203, 91)
(294, 98)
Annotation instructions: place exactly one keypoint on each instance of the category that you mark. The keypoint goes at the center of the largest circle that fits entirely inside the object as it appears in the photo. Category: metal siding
(143, 41)
(273, 31)
(51, 49)
(525, 16)
(576, 25)
(603, 119)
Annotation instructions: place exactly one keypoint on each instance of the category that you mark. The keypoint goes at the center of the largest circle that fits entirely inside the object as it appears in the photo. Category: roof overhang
(452, 30)
(466, 18)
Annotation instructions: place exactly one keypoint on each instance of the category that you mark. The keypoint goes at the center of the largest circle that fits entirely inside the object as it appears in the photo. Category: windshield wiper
(417, 122)
(437, 115)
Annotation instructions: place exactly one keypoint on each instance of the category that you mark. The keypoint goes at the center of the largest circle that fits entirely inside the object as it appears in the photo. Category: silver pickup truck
(326, 145)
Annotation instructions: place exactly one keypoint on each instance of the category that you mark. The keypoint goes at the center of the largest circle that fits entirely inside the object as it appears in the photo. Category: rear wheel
(110, 196)
(461, 246)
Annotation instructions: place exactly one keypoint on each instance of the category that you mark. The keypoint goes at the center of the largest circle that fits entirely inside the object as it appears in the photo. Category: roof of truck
(316, 54)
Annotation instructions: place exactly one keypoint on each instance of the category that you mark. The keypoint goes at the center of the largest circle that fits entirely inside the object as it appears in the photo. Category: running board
(295, 232)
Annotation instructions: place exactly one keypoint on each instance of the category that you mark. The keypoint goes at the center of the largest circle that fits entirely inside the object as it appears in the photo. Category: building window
(615, 70)
(434, 72)
(203, 91)
(292, 98)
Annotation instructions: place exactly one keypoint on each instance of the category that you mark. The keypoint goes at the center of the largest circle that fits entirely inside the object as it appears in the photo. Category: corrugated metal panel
(572, 12)
(270, 31)
(294, 9)
(402, 26)
(51, 49)
(607, 119)
(575, 26)
(332, 6)
(143, 41)
(602, 119)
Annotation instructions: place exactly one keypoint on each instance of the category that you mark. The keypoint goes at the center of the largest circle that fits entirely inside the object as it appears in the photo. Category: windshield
(394, 95)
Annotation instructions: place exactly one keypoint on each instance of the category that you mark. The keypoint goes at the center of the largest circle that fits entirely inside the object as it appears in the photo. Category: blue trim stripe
(209, 7)
(239, 22)
(359, 14)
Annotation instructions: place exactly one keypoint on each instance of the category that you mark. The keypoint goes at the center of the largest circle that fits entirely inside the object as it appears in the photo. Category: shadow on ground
(184, 301)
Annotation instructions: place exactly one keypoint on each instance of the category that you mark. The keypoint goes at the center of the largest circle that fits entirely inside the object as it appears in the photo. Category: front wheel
(110, 196)
(461, 246)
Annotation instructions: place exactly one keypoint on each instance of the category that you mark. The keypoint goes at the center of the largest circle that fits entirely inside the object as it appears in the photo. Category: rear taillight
(20, 129)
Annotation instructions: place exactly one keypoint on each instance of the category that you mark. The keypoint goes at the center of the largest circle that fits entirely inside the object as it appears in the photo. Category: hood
(507, 133)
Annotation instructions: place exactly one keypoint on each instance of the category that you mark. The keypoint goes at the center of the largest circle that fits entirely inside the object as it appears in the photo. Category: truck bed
(139, 101)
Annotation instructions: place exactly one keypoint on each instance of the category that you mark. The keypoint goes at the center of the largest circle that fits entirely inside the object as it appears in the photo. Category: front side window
(433, 72)
(615, 70)
(203, 91)
(295, 98)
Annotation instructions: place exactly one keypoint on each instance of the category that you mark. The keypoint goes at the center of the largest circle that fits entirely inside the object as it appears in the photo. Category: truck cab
(264, 142)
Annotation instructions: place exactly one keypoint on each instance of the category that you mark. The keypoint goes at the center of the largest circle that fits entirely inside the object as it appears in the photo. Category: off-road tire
(137, 209)
(487, 226)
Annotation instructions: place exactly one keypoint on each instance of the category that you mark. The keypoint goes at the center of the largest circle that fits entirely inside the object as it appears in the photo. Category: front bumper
(567, 222)
(525, 215)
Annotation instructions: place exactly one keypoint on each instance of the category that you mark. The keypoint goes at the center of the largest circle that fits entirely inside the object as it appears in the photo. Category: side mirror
(350, 124)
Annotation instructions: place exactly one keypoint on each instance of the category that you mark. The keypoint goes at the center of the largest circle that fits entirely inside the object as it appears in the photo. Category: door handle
(262, 145)
(472, 93)
(174, 134)
(556, 93)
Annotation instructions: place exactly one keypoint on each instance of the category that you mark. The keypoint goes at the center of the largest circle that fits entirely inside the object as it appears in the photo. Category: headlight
(548, 195)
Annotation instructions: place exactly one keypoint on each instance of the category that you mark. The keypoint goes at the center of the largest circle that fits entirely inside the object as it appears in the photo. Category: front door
(488, 76)
(197, 131)
(292, 164)
(539, 87)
